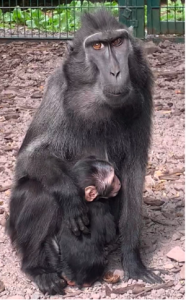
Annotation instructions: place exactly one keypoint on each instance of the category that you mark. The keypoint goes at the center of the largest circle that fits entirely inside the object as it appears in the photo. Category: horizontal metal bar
(15, 38)
(70, 7)
(160, 7)
(151, 38)
(87, 6)
(62, 7)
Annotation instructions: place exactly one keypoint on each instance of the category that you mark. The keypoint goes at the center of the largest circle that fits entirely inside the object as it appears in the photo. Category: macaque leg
(72, 283)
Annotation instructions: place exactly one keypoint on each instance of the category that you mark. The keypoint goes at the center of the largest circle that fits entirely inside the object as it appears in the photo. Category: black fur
(76, 119)
(82, 258)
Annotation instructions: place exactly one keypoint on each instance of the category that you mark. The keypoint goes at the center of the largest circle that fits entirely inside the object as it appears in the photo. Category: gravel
(24, 68)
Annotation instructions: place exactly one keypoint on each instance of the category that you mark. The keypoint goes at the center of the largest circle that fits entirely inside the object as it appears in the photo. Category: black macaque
(82, 258)
(99, 102)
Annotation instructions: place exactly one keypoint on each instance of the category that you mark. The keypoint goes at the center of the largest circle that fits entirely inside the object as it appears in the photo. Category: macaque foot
(110, 277)
(143, 274)
(71, 283)
(50, 284)
(134, 268)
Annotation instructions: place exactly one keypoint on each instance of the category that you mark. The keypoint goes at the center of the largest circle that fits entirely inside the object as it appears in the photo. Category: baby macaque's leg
(69, 282)
(72, 283)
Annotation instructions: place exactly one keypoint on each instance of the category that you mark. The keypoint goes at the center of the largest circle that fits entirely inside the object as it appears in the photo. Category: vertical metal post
(153, 17)
(132, 13)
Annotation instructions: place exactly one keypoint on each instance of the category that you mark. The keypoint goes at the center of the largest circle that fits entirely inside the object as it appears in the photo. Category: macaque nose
(115, 72)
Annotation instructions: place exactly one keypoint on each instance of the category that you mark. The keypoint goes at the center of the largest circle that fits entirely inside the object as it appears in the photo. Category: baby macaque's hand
(110, 277)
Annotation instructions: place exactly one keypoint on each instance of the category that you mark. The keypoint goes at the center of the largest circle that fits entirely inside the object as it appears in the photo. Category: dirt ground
(24, 67)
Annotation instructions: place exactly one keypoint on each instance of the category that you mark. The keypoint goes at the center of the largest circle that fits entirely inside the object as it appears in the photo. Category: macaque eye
(97, 46)
(117, 42)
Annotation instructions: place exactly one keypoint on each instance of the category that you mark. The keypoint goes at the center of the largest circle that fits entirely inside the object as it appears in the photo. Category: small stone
(16, 297)
(182, 290)
(97, 283)
(178, 287)
(11, 116)
(138, 288)
(2, 286)
(35, 296)
(3, 220)
(150, 47)
(179, 187)
(95, 296)
(113, 296)
(157, 272)
(164, 44)
(176, 254)
(153, 202)
(176, 236)
(160, 292)
(182, 231)
(183, 204)
(28, 291)
(169, 266)
(130, 281)
(149, 182)
(2, 210)
(182, 272)
(36, 95)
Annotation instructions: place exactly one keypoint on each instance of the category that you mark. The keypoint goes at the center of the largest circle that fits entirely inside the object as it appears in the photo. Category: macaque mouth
(117, 93)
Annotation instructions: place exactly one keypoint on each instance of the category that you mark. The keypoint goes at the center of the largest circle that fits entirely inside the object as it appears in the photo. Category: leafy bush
(63, 18)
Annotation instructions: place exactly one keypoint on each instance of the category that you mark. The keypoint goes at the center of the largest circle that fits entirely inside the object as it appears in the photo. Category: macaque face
(116, 185)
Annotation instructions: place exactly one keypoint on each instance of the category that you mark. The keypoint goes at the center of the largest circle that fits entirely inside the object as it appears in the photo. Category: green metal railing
(59, 19)
(166, 19)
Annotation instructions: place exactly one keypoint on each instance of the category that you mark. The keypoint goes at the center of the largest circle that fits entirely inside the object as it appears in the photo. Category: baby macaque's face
(115, 185)
(110, 182)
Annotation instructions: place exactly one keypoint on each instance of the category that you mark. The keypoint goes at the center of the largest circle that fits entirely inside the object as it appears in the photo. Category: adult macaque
(83, 259)
(98, 102)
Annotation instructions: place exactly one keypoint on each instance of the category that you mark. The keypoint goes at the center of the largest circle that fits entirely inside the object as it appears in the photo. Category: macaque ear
(131, 30)
(70, 46)
(90, 193)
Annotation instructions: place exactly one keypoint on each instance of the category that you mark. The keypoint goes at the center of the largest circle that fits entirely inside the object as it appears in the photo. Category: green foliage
(173, 11)
(66, 17)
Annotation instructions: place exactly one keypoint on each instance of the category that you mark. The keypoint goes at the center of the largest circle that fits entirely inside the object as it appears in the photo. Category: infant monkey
(96, 179)
(82, 257)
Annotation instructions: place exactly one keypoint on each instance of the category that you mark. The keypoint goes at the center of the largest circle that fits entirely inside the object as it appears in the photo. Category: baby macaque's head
(96, 178)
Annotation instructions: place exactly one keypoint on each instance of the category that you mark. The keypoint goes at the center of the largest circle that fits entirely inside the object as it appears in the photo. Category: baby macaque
(83, 259)
(96, 179)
